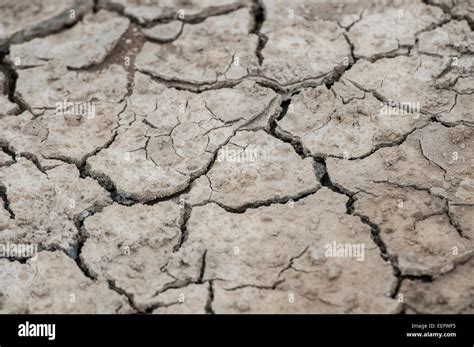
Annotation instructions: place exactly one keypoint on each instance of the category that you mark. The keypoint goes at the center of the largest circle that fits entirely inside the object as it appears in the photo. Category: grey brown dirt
(236, 156)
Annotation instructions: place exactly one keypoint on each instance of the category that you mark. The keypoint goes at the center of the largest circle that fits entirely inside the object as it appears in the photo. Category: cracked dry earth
(231, 142)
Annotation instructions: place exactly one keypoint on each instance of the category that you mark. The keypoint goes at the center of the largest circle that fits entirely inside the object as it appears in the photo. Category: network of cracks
(236, 156)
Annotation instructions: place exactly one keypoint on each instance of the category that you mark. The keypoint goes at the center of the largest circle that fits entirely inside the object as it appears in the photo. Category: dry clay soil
(230, 143)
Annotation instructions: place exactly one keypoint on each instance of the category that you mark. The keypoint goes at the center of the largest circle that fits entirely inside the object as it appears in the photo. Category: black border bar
(318, 330)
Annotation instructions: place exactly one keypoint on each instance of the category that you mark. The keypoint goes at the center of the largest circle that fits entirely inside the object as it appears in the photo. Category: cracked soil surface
(237, 156)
